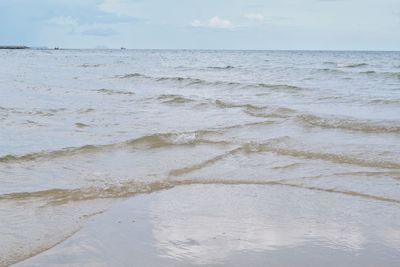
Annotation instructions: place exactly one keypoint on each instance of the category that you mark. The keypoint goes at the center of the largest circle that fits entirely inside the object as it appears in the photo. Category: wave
(385, 101)
(81, 125)
(148, 141)
(392, 174)
(258, 111)
(199, 166)
(131, 75)
(222, 68)
(172, 139)
(86, 110)
(114, 92)
(393, 74)
(355, 65)
(271, 112)
(279, 87)
(52, 154)
(330, 97)
(174, 99)
(61, 196)
(349, 124)
(90, 65)
(315, 155)
(288, 166)
(329, 63)
(132, 188)
(277, 146)
(157, 140)
(222, 104)
(188, 81)
(239, 126)
(339, 71)
(368, 72)
(36, 112)
(332, 71)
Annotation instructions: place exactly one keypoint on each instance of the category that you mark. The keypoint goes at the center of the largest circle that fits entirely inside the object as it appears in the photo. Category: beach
(240, 225)
(199, 158)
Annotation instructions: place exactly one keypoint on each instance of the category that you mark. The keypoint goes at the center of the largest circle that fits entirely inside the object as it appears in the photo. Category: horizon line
(198, 49)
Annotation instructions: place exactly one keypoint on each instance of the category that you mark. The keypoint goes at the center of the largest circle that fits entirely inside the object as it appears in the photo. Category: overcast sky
(203, 24)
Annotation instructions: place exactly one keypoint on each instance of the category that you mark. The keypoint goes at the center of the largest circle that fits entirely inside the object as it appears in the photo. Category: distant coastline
(13, 47)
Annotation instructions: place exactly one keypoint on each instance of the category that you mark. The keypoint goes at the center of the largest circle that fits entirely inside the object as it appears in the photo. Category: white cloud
(217, 22)
(255, 17)
(214, 22)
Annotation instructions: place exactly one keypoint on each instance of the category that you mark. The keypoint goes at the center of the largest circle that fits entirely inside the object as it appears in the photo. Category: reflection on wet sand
(216, 225)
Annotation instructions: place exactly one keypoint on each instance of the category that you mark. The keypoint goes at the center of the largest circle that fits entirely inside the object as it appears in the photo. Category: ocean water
(82, 129)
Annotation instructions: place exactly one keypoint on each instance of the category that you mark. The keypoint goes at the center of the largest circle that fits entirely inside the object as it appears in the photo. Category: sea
(83, 129)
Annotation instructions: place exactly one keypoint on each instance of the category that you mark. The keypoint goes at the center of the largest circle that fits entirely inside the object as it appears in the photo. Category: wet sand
(235, 225)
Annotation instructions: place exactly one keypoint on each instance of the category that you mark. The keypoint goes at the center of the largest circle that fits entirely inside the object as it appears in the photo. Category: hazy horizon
(193, 49)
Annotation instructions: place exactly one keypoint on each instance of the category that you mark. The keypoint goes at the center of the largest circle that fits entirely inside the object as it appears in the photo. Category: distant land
(13, 47)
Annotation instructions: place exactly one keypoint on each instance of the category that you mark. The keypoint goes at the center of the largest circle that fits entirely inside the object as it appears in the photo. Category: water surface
(81, 129)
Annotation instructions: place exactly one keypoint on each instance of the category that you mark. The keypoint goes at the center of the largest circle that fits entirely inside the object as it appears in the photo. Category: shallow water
(83, 128)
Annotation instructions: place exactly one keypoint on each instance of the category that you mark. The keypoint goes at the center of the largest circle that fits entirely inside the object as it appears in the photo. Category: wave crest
(174, 99)
(349, 124)
(148, 141)
(189, 81)
(114, 92)
(355, 65)
(228, 67)
(132, 188)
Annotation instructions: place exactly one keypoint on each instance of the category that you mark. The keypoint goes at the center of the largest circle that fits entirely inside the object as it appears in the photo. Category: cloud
(214, 22)
(254, 17)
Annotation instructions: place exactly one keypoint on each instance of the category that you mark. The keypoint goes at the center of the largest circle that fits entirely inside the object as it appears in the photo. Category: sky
(203, 24)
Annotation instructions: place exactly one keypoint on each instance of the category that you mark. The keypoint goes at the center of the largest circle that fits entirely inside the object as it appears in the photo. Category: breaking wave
(149, 141)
